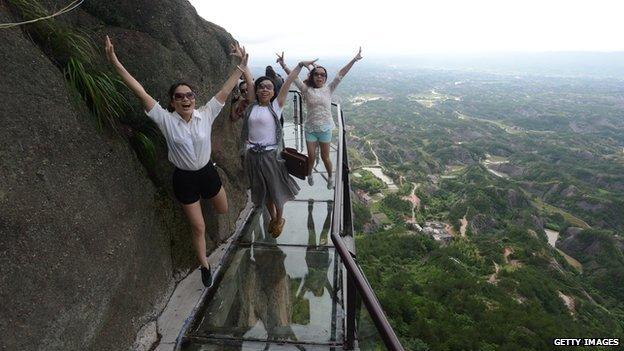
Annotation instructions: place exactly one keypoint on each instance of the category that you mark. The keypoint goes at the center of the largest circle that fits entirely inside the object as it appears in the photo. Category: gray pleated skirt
(269, 179)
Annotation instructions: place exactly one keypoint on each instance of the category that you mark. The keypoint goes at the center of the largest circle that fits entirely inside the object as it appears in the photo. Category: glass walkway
(286, 293)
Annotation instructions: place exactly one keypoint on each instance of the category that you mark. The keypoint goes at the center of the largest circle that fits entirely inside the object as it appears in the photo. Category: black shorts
(189, 186)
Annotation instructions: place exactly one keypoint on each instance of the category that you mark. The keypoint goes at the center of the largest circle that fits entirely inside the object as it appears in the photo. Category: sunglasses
(180, 96)
(265, 86)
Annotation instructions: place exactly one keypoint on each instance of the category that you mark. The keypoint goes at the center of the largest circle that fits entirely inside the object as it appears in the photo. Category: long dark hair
(310, 80)
(172, 90)
(270, 72)
(260, 80)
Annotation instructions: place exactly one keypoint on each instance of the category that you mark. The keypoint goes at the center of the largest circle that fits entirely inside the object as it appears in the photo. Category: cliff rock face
(89, 244)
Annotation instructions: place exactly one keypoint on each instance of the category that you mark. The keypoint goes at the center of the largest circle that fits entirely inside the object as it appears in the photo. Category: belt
(259, 148)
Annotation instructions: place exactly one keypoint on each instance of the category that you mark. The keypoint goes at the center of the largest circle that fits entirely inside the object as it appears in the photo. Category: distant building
(438, 231)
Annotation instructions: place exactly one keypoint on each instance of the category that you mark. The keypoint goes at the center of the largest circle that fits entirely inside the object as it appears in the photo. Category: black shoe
(206, 276)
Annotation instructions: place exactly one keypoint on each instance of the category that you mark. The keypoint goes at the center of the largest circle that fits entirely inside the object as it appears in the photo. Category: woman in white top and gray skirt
(261, 146)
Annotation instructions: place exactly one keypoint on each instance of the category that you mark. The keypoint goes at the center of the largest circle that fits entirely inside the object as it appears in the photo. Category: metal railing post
(296, 114)
(301, 118)
(298, 119)
(346, 188)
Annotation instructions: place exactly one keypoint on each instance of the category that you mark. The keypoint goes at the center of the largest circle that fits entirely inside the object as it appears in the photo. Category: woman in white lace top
(319, 122)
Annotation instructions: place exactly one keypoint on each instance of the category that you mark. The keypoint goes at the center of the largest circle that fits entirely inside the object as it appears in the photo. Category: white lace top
(318, 104)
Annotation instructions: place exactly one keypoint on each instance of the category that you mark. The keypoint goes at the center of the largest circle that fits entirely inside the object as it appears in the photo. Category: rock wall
(90, 244)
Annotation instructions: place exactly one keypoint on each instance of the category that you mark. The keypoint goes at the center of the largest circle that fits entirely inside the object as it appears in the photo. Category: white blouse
(188, 143)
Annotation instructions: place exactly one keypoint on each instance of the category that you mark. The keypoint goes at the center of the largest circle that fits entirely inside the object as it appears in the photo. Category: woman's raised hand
(280, 58)
(359, 55)
(230, 83)
(245, 59)
(238, 51)
(307, 63)
(136, 87)
(110, 51)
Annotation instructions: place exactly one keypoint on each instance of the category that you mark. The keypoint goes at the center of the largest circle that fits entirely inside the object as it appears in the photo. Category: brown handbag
(296, 163)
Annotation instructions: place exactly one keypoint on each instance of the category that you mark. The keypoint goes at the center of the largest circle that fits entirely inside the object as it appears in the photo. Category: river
(552, 236)
(495, 160)
(552, 239)
(378, 172)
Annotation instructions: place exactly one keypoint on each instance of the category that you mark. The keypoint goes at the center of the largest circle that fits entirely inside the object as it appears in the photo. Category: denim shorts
(322, 137)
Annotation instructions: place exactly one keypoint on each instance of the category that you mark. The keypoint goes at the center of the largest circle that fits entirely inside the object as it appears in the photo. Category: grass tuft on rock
(73, 51)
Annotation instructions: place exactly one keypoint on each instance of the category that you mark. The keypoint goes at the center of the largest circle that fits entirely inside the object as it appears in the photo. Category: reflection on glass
(238, 345)
(271, 293)
(317, 257)
(253, 300)
(265, 289)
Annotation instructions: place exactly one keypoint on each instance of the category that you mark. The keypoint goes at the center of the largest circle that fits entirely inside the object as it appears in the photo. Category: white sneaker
(310, 180)
(330, 182)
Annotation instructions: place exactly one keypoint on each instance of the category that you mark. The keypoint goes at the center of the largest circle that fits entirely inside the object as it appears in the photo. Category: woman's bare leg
(311, 145)
(219, 202)
(198, 229)
(325, 157)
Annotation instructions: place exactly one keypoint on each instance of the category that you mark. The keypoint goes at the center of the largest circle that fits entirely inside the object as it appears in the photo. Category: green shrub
(99, 91)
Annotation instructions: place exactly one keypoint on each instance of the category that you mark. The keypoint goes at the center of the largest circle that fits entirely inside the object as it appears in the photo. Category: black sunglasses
(180, 96)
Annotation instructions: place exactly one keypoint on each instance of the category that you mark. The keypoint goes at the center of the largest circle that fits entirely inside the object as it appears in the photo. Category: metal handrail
(355, 276)
(298, 119)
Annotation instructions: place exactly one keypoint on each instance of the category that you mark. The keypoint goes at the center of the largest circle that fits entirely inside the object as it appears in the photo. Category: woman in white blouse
(261, 145)
(187, 132)
(319, 123)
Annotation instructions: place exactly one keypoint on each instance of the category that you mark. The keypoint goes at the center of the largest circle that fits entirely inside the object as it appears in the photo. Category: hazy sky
(336, 28)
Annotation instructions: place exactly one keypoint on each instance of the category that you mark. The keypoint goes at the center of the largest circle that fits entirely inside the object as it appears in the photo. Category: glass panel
(367, 335)
(290, 134)
(319, 165)
(237, 345)
(318, 191)
(307, 223)
(276, 294)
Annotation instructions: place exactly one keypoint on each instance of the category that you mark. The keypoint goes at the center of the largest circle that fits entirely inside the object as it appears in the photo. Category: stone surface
(89, 241)
(148, 336)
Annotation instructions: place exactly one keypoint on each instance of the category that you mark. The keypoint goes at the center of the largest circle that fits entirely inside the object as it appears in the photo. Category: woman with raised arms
(261, 146)
(187, 131)
(319, 122)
